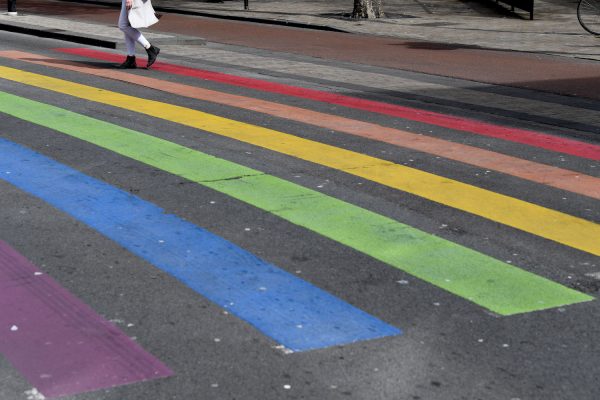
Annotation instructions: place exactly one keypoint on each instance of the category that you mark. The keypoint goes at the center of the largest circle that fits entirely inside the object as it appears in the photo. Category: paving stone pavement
(74, 27)
(483, 23)
(554, 30)
(107, 33)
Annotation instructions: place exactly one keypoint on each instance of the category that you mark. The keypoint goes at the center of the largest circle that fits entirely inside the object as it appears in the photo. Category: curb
(59, 34)
(88, 39)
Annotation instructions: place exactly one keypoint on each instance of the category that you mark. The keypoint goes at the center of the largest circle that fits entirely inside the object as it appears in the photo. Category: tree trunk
(368, 9)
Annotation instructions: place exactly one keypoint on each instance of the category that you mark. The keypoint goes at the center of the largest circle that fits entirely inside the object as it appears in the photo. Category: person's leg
(129, 41)
(127, 30)
(132, 35)
(150, 49)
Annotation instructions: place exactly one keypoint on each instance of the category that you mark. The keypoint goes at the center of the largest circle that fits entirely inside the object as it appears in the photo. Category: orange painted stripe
(559, 178)
(517, 135)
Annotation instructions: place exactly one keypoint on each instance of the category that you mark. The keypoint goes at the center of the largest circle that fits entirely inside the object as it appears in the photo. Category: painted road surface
(291, 311)
(500, 287)
(58, 343)
(270, 239)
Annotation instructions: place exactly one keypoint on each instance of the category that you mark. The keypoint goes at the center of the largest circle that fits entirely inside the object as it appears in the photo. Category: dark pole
(12, 7)
(245, 4)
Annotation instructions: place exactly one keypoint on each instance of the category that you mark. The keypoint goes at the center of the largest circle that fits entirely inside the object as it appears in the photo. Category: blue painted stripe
(293, 312)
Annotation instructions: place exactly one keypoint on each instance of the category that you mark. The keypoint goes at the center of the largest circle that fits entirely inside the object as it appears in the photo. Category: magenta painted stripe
(60, 345)
(523, 136)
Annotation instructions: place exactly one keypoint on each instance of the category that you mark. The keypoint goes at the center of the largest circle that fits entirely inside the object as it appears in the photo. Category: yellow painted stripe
(550, 224)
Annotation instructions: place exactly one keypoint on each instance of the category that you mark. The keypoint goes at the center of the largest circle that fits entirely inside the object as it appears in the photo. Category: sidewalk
(554, 30)
(481, 23)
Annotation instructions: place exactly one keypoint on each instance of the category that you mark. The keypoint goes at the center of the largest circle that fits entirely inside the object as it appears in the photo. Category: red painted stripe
(531, 138)
(60, 345)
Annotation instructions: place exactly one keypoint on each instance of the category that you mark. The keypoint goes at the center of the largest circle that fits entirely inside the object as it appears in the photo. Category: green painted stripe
(497, 286)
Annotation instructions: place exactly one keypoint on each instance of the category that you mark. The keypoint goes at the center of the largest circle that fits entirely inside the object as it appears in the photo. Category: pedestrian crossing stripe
(551, 176)
(293, 312)
(544, 222)
(517, 135)
(87, 352)
(495, 285)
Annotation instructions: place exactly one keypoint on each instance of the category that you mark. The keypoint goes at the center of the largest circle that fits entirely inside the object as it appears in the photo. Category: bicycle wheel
(588, 14)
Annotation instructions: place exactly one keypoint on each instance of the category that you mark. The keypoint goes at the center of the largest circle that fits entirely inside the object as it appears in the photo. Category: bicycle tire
(588, 14)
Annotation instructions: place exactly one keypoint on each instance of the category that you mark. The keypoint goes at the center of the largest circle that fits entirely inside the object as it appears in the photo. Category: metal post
(12, 7)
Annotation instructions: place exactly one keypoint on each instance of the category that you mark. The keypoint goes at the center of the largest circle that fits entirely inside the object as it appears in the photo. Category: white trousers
(132, 35)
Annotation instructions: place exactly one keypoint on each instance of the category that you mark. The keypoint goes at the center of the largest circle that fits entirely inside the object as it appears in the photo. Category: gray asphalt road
(450, 347)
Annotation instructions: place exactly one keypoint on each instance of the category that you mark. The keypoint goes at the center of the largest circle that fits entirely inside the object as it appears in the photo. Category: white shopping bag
(141, 14)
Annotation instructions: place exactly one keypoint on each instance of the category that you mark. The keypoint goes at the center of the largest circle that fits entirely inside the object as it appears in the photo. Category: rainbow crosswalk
(291, 311)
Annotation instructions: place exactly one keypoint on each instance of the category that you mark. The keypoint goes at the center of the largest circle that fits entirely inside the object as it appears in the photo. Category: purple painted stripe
(60, 345)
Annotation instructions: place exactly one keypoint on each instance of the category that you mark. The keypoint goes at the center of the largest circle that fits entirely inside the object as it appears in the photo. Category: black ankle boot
(152, 54)
(129, 63)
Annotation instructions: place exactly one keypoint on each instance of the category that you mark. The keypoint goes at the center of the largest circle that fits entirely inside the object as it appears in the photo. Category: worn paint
(219, 270)
(58, 343)
(483, 280)
(559, 178)
(544, 222)
(517, 135)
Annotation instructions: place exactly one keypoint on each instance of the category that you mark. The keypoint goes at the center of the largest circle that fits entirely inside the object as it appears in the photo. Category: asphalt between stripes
(550, 224)
(560, 178)
(544, 314)
(39, 311)
(498, 286)
(522, 136)
(291, 311)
